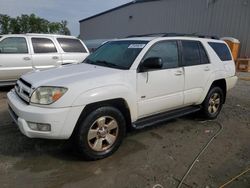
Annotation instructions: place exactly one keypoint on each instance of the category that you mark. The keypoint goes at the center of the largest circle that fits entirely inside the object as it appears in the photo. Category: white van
(22, 53)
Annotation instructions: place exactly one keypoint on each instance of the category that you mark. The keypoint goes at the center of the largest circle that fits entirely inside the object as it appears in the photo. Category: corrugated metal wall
(212, 17)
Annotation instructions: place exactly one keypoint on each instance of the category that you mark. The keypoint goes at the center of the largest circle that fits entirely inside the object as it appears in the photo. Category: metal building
(223, 18)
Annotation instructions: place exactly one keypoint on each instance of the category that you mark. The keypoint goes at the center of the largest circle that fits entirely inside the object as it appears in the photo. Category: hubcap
(214, 103)
(103, 133)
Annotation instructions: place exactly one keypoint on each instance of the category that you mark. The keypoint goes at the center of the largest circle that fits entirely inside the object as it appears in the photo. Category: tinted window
(13, 45)
(71, 45)
(190, 52)
(221, 50)
(116, 54)
(203, 55)
(167, 51)
(43, 45)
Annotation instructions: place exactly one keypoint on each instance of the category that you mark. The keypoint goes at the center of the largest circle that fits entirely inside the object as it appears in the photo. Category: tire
(213, 103)
(101, 133)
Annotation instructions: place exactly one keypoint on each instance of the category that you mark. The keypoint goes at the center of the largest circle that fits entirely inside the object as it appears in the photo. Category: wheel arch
(221, 83)
(119, 103)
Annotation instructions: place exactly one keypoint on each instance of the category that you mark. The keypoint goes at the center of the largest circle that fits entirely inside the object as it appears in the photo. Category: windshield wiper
(89, 61)
(109, 64)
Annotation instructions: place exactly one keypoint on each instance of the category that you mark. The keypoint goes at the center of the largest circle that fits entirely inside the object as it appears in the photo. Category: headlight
(47, 95)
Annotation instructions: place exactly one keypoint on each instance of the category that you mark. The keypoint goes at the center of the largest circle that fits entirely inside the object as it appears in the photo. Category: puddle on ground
(155, 135)
(56, 164)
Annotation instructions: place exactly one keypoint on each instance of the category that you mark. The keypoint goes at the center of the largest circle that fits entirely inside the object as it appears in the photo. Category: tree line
(31, 24)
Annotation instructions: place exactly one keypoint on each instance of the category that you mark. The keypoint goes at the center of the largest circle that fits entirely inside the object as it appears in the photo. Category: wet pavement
(155, 155)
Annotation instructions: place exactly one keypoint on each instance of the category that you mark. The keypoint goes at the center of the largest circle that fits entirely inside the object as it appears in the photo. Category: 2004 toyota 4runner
(136, 82)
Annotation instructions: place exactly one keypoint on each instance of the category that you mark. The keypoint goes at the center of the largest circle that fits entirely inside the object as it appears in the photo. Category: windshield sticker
(136, 45)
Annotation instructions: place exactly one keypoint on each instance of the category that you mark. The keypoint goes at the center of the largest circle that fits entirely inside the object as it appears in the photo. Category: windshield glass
(116, 54)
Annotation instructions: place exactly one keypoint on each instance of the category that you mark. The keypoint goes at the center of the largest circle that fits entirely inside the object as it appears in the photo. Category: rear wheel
(213, 103)
(101, 133)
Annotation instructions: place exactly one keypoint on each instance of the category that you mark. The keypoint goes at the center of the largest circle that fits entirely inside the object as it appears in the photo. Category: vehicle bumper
(231, 82)
(62, 120)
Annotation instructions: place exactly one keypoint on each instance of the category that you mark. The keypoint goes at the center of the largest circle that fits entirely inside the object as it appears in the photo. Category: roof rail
(147, 35)
(174, 35)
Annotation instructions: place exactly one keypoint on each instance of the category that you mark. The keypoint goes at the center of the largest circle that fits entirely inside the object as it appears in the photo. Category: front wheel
(101, 133)
(213, 103)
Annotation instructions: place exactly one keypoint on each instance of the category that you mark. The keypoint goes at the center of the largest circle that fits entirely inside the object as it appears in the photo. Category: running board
(165, 116)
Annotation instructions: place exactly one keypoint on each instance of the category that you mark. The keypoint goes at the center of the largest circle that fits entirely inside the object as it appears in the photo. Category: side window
(43, 45)
(221, 50)
(168, 51)
(13, 45)
(203, 55)
(71, 45)
(191, 53)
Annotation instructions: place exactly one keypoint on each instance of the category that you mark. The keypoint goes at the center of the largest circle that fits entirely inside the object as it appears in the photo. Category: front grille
(23, 90)
(26, 83)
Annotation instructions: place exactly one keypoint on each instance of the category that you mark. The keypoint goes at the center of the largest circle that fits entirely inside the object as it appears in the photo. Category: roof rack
(174, 35)
(147, 35)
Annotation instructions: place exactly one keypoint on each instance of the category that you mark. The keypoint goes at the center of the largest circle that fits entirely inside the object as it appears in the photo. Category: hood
(66, 76)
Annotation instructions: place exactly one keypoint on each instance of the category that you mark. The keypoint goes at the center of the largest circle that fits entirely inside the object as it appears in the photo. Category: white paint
(12, 66)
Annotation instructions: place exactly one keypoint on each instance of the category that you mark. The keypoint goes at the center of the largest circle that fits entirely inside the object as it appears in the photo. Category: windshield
(116, 54)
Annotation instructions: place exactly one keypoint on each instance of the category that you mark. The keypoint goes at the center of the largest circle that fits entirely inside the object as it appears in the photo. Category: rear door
(15, 58)
(45, 54)
(73, 50)
(197, 70)
(161, 90)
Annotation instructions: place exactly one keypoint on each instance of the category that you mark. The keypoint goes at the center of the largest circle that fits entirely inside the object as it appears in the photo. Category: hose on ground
(201, 152)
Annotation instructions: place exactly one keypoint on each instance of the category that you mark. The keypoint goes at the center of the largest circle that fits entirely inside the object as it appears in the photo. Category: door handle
(55, 57)
(206, 69)
(26, 58)
(178, 72)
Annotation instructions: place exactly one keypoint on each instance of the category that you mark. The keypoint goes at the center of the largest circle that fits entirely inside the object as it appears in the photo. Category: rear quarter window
(221, 50)
(71, 45)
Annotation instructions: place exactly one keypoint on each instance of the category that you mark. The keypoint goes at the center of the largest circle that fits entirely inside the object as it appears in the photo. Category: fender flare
(109, 92)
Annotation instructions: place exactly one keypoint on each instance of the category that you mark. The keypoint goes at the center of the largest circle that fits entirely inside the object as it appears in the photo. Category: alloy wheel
(214, 103)
(103, 133)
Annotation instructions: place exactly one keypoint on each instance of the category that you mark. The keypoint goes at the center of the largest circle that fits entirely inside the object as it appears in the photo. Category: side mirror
(151, 63)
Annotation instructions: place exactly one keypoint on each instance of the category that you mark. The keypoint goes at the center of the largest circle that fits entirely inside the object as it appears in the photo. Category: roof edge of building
(116, 8)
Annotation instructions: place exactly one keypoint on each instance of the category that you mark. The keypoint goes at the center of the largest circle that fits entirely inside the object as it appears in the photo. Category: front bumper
(62, 120)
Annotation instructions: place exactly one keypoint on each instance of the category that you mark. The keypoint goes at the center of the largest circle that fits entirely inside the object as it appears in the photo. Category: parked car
(22, 53)
(132, 82)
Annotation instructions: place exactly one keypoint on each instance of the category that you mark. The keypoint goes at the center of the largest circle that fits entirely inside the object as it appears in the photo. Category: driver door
(162, 89)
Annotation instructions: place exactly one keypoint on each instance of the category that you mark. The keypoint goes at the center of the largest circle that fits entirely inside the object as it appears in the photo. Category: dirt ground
(157, 155)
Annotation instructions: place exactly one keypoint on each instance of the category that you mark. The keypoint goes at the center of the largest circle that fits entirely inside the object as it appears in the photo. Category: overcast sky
(57, 10)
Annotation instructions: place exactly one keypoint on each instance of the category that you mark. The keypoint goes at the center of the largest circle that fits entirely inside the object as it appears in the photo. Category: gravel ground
(156, 155)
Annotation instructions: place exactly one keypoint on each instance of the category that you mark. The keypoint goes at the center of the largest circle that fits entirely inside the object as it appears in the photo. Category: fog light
(39, 126)
(32, 126)
(43, 127)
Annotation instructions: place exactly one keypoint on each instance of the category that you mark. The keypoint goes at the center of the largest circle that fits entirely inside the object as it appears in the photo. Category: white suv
(132, 82)
(21, 53)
